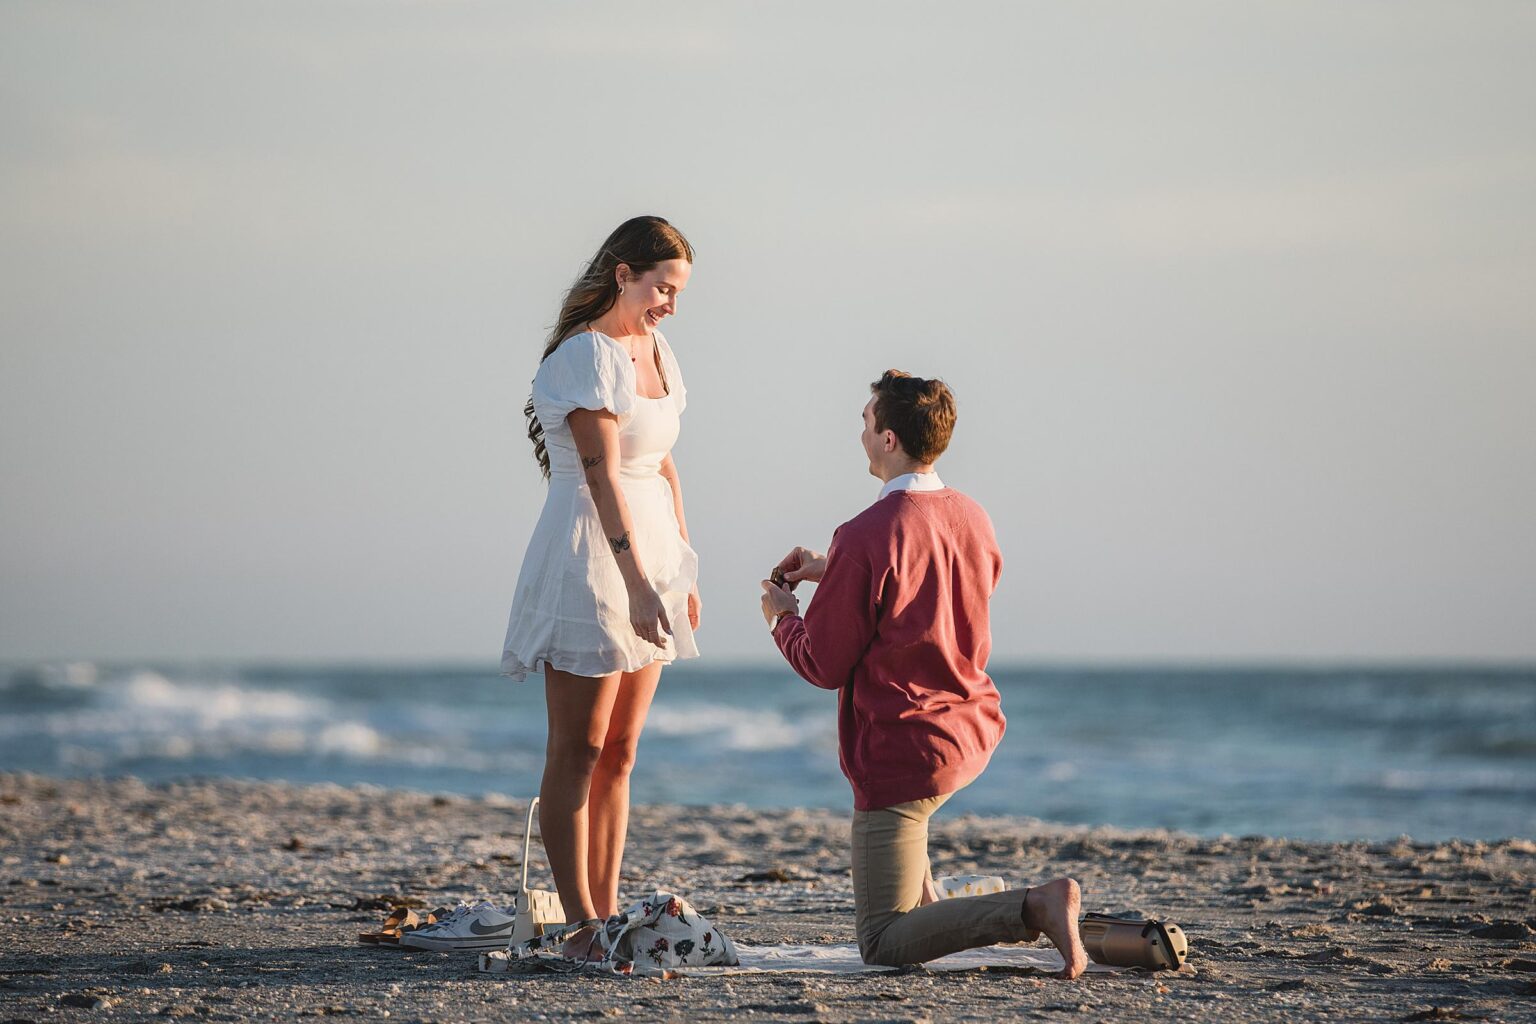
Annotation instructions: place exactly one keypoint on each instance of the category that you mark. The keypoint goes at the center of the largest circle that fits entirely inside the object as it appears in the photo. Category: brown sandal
(400, 919)
(391, 937)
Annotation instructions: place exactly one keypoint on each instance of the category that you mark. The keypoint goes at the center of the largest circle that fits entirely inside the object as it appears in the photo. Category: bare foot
(582, 945)
(1052, 908)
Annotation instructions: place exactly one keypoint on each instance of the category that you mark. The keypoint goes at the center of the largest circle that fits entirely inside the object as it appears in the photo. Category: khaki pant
(890, 869)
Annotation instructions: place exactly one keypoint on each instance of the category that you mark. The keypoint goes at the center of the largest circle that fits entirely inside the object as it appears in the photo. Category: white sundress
(571, 608)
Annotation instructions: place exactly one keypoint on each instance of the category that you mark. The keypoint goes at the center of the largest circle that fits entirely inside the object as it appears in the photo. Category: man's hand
(802, 564)
(777, 600)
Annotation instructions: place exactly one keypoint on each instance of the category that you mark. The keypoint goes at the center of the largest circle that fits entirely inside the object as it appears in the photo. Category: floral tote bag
(663, 930)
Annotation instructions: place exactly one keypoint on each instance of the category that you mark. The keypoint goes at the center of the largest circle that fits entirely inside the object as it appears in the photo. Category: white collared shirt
(912, 482)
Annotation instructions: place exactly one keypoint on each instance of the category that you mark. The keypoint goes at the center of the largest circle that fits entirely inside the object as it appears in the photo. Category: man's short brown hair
(921, 413)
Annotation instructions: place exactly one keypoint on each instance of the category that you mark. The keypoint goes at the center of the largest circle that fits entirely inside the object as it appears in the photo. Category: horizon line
(1043, 663)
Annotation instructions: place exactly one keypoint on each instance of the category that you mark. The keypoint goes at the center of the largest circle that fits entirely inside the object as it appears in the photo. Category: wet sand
(242, 901)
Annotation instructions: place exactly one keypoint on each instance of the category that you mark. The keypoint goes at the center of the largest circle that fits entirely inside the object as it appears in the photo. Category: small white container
(951, 886)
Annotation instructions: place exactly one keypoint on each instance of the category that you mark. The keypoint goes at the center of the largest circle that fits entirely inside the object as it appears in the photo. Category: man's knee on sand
(875, 958)
(876, 953)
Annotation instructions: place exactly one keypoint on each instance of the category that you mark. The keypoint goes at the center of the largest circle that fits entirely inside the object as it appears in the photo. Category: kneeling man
(899, 627)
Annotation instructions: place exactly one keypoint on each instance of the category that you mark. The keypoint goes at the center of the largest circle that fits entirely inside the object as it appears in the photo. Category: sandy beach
(230, 901)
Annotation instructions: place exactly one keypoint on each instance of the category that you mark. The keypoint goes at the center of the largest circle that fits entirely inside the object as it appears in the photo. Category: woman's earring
(621, 289)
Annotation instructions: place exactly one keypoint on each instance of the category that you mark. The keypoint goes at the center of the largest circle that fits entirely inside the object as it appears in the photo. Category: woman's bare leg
(608, 813)
(579, 709)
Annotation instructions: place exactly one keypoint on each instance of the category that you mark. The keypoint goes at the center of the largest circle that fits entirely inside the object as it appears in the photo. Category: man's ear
(889, 441)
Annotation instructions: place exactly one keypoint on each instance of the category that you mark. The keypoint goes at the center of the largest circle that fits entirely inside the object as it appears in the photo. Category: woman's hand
(647, 617)
(802, 564)
(694, 605)
(777, 601)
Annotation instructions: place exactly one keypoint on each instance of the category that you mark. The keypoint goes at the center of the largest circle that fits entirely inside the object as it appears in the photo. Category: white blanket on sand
(845, 960)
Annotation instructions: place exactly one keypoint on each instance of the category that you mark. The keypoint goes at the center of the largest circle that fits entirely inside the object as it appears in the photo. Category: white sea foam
(1061, 771)
(145, 715)
(79, 674)
(349, 739)
(213, 704)
(732, 728)
(1458, 762)
(62, 675)
(1488, 780)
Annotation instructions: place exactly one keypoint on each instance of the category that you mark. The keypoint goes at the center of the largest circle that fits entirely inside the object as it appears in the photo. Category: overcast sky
(1237, 300)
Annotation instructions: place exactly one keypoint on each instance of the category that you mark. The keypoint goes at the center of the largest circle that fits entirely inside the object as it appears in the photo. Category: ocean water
(1320, 754)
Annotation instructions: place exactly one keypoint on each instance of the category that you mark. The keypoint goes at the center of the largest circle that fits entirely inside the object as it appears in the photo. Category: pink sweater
(899, 625)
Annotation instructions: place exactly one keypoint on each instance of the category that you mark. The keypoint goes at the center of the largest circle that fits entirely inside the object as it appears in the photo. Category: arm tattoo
(619, 544)
(589, 463)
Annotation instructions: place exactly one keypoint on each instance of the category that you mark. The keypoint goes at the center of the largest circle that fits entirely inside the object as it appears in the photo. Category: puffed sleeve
(675, 386)
(587, 371)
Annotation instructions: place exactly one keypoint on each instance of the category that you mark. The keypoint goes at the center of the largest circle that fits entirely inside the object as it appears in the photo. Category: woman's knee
(576, 755)
(617, 758)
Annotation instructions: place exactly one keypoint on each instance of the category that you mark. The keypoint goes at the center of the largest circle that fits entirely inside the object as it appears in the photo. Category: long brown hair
(639, 243)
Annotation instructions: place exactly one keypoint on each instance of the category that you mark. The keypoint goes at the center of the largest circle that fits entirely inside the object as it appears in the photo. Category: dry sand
(233, 901)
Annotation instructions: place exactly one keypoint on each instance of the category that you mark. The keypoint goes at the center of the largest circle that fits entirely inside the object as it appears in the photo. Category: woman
(608, 590)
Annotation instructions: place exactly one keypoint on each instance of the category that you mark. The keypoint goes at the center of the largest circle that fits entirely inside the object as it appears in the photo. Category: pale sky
(1236, 299)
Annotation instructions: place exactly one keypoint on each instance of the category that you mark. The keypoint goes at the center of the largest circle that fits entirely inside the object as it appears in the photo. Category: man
(899, 626)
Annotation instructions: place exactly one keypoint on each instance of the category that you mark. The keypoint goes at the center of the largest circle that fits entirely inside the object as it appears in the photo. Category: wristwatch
(779, 617)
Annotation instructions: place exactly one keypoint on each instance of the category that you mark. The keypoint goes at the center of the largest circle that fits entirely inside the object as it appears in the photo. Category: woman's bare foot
(582, 945)
(1052, 908)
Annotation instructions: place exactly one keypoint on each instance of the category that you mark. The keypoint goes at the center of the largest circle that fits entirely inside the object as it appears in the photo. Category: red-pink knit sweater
(899, 625)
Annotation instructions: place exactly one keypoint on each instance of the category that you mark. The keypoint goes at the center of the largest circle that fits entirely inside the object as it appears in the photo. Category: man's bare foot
(582, 945)
(1052, 908)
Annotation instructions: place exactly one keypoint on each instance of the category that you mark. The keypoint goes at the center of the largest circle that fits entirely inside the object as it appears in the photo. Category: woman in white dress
(608, 590)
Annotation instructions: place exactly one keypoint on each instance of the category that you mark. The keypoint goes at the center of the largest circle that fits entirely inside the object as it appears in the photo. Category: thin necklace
(661, 371)
(632, 357)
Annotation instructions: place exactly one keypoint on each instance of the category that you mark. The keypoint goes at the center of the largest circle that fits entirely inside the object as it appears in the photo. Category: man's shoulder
(951, 516)
(868, 531)
(904, 509)
(968, 505)
(877, 517)
(951, 502)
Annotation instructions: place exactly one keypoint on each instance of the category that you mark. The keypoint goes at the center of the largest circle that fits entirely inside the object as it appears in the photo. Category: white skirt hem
(513, 666)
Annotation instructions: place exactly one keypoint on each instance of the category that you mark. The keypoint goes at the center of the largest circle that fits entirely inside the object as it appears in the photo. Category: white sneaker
(482, 926)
